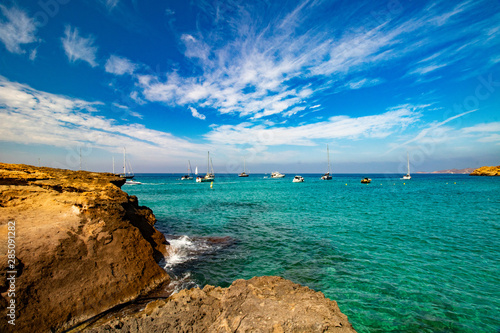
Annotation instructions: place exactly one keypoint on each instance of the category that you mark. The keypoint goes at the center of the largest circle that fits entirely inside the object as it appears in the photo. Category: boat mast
(208, 163)
(189, 167)
(124, 162)
(328, 157)
(408, 158)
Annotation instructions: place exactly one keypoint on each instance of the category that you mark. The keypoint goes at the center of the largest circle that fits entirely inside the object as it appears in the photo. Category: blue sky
(273, 82)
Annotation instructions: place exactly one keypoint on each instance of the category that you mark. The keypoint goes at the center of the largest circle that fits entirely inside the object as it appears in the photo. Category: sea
(419, 255)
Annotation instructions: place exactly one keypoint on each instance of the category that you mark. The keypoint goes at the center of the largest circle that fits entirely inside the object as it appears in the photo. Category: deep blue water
(419, 255)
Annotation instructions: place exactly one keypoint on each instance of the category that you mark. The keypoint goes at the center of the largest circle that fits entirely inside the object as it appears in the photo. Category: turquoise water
(419, 255)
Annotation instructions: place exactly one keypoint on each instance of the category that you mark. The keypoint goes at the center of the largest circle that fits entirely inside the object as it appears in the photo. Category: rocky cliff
(81, 244)
(487, 171)
(261, 304)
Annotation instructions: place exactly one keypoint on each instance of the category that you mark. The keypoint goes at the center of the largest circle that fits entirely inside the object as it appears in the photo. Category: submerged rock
(487, 171)
(82, 245)
(261, 304)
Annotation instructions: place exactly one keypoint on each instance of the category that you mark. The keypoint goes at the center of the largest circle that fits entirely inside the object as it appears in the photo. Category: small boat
(126, 175)
(407, 176)
(327, 176)
(243, 174)
(366, 180)
(209, 177)
(276, 174)
(132, 182)
(298, 179)
(188, 176)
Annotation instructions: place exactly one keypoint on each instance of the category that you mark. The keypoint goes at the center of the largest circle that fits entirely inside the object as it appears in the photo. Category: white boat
(126, 175)
(209, 177)
(327, 176)
(298, 179)
(243, 174)
(276, 174)
(188, 176)
(407, 176)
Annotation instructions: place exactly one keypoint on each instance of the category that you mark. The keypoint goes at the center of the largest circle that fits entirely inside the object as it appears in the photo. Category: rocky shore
(487, 171)
(83, 246)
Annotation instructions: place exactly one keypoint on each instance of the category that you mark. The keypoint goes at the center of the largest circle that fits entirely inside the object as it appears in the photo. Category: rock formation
(487, 171)
(82, 245)
(261, 304)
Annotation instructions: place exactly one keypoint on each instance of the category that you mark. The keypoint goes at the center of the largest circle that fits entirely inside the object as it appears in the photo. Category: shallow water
(417, 255)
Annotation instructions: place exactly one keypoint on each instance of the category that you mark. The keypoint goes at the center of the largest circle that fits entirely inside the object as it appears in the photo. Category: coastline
(83, 246)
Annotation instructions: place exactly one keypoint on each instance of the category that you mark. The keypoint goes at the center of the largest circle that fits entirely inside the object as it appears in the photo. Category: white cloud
(119, 65)
(110, 4)
(484, 127)
(376, 126)
(33, 54)
(34, 117)
(16, 29)
(196, 114)
(79, 48)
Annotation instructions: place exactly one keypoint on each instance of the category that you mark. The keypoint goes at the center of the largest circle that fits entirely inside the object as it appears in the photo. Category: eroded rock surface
(261, 304)
(487, 171)
(82, 245)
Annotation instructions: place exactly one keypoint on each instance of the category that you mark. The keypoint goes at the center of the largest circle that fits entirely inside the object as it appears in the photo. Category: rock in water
(261, 304)
(487, 171)
(82, 246)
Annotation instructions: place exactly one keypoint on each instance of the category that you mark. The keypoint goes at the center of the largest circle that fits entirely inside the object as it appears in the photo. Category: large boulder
(82, 246)
(261, 304)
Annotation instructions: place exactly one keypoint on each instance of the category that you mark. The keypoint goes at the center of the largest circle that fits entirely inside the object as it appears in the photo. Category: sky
(269, 82)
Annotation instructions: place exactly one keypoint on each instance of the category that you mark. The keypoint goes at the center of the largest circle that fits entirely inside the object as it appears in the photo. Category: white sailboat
(188, 176)
(243, 174)
(126, 175)
(407, 176)
(209, 177)
(327, 176)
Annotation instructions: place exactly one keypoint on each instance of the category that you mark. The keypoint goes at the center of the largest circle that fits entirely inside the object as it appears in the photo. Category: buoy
(212, 185)
(454, 182)
(404, 183)
(345, 184)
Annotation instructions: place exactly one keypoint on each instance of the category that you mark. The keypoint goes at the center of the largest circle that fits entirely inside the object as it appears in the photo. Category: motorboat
(276, 174)
(366, 180)
(298, 179)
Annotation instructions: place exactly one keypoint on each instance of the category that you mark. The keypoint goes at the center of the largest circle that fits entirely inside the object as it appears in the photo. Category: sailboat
(209, 177)
(188, 176)
(407, 176)
(243, 174)
(125, 175)
(327, 176)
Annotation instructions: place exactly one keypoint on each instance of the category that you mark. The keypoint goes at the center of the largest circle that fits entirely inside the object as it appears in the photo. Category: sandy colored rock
(82, 245)
(261, 304)
(487, 171)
